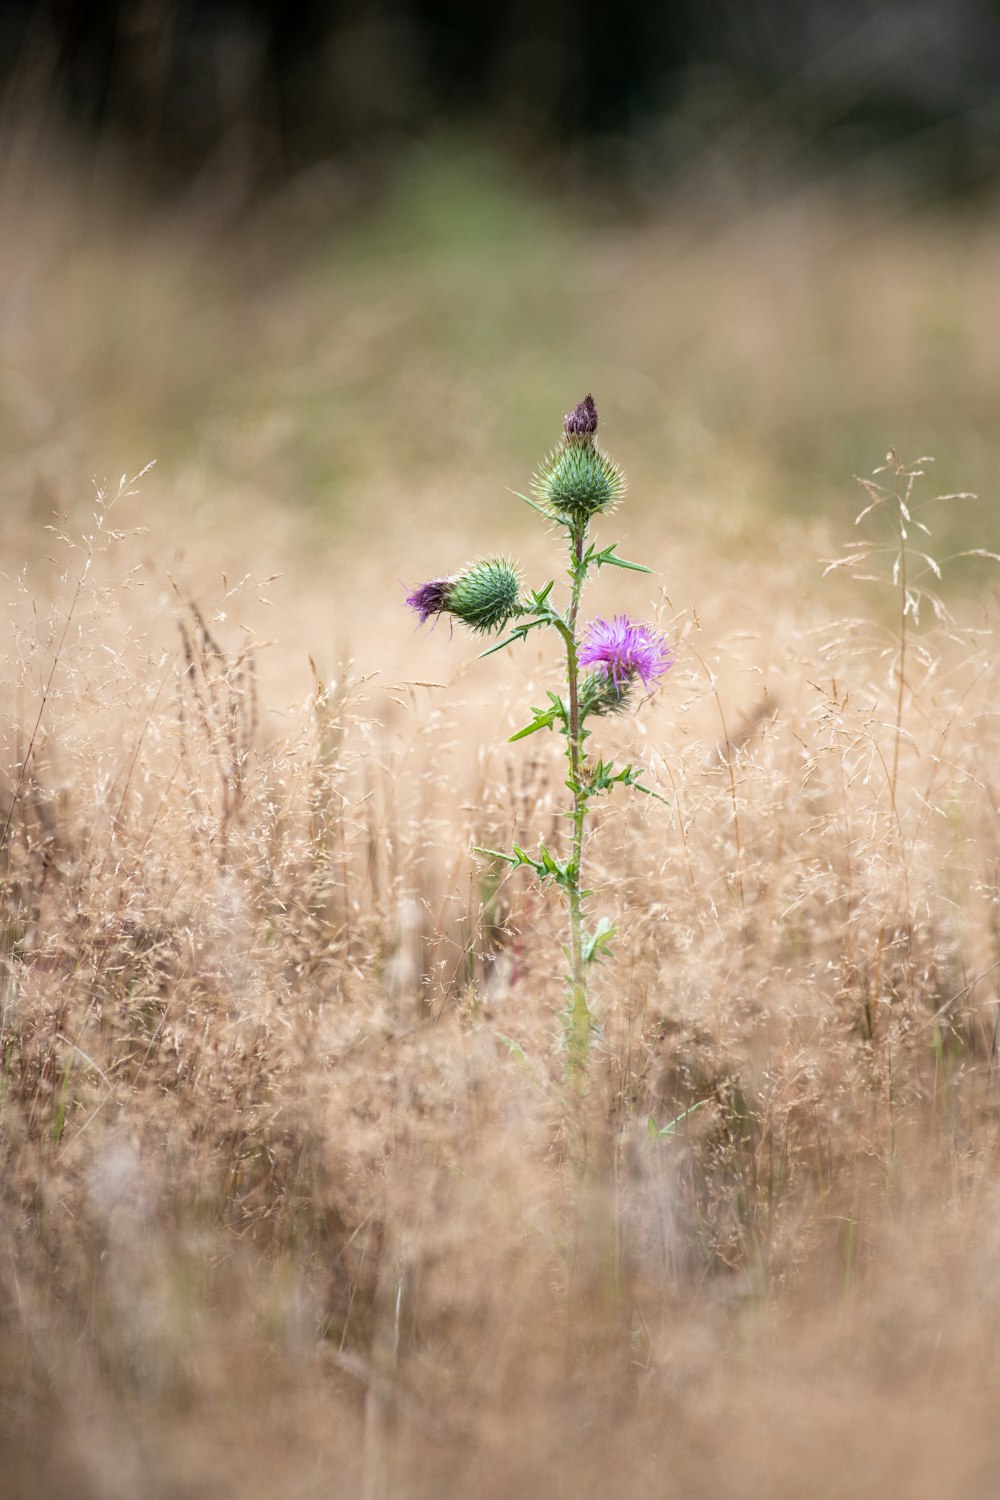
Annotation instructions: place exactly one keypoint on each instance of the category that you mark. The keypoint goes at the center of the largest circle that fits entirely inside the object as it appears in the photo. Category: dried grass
(294, 1200)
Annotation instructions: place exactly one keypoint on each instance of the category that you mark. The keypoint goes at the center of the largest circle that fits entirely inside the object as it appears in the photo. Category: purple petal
(582, 420)
(623, 648)
(430, 598)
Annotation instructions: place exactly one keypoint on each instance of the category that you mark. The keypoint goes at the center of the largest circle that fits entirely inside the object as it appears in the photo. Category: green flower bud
(600, 694)
(578, 480)
(485, 595)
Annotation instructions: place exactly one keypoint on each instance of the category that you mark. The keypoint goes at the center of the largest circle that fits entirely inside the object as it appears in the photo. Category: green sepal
(600, 695)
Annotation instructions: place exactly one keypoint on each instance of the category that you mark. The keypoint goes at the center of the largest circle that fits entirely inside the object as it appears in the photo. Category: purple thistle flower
(430, 598)
(582, 420)
(623, 649)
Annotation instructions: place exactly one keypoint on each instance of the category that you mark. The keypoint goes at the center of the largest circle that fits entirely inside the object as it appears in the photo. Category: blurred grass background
(405, 368)
(801, 338)
(322, 260)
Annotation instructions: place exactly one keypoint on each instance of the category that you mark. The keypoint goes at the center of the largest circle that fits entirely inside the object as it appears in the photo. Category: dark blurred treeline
(635, 92)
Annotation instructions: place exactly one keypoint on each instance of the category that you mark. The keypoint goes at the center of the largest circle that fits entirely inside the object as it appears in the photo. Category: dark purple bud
(582, 420)
(430, 598)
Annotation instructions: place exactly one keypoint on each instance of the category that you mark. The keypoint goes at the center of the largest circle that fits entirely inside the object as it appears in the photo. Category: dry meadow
(295, 1198)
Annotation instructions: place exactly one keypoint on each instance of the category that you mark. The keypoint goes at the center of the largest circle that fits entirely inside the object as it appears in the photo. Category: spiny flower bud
(483, 596)
(600, 694)
(577, 480)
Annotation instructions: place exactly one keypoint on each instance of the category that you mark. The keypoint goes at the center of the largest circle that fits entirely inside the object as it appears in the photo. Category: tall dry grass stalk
(288, 1206)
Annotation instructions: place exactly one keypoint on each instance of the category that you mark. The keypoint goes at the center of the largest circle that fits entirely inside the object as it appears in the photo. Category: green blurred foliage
(430, 344)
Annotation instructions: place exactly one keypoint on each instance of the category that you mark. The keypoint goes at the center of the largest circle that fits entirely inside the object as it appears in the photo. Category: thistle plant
(605, 660)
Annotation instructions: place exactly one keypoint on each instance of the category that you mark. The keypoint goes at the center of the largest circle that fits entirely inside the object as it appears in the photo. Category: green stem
(579, 1018)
